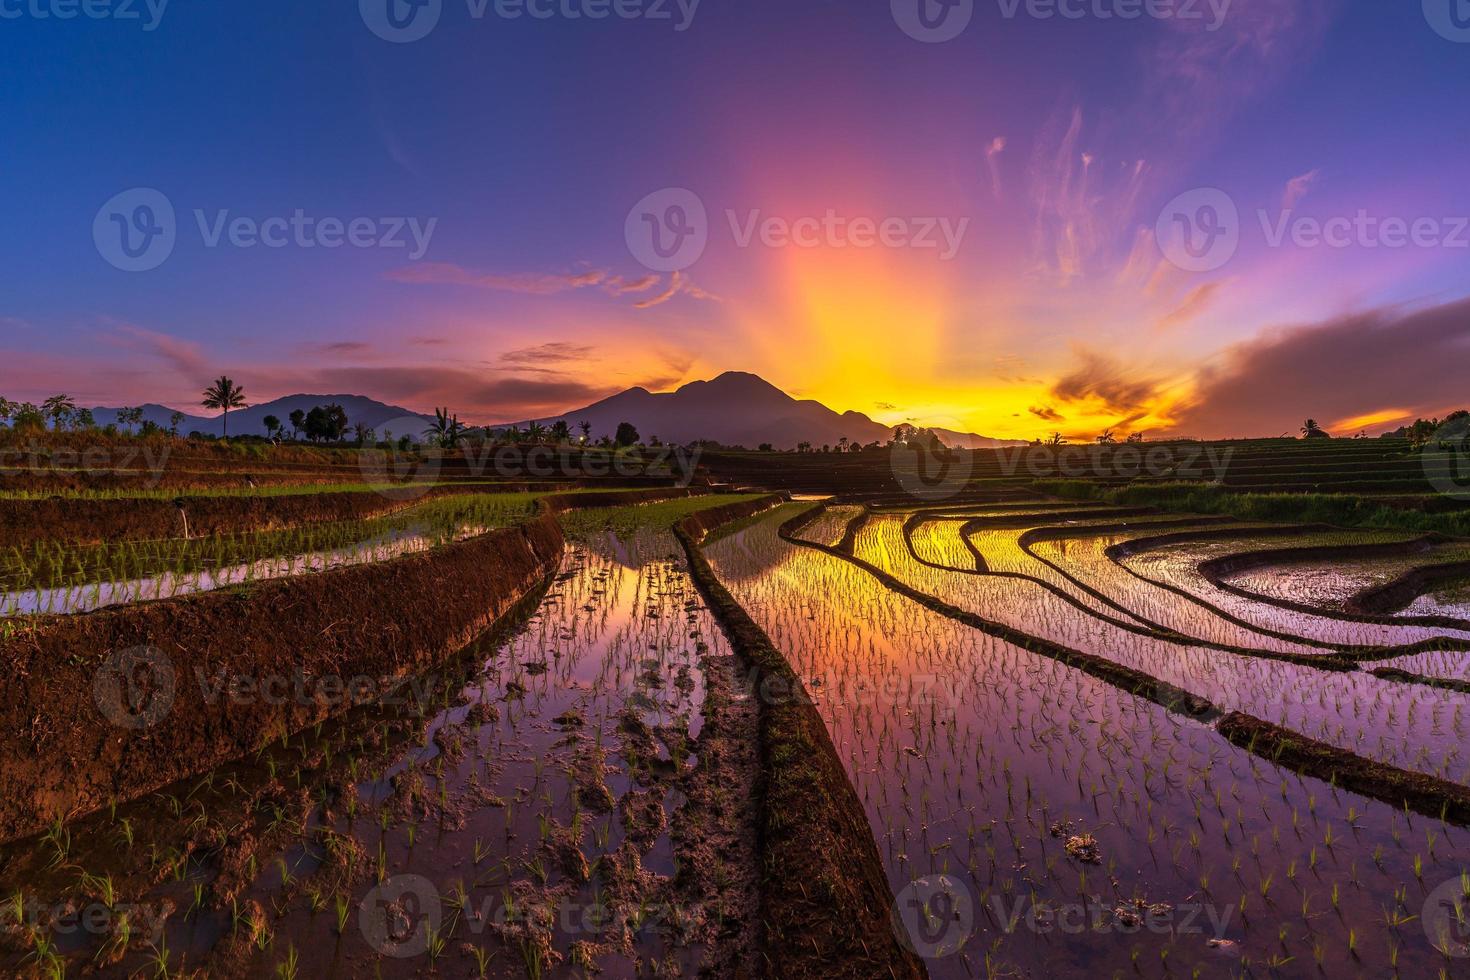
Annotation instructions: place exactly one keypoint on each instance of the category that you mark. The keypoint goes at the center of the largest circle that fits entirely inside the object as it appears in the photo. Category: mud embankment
(111, 705)
(826, 903)
(1394, 596)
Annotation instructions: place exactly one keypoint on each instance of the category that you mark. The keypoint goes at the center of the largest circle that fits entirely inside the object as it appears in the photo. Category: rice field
(1078, 738)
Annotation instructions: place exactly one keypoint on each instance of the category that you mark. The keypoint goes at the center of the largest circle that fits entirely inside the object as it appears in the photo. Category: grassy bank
(1344, 510)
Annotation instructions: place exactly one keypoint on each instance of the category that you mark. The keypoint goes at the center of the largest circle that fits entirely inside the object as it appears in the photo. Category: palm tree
(224, 395)
(561, 432)
(174, 421)
(1107, 438)
(586, 428)
(535, 433)
(1311, 430)
(59, 409)
(445, 429)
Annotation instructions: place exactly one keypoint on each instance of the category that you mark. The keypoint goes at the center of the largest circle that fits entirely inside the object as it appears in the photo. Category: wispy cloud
(1195, 302)
(1297, 188)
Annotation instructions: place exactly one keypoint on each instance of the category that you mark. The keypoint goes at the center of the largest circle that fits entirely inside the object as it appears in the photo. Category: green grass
(1345, 510)
(51, 564)
(627, 521)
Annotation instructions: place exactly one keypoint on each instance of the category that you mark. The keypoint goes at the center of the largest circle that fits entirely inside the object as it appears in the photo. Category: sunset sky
(527, 142)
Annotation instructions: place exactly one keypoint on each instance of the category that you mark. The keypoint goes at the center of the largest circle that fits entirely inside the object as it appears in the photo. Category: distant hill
(250, 421)
(737, 409)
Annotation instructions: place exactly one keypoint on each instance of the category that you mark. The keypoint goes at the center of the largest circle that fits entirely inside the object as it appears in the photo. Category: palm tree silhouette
(1311, 429)
(224, 395)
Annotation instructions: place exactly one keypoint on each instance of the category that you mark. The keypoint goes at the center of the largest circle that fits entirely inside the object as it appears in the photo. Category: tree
(224, 395)
(1311, 430)
(535, 432)
(327, 423)
(130, 417)
(84, 419)
(561, 432)
(174, 421)
(1134, 438)
(27, 417)
(444, 432)
(297, 419)
(1057, 439)
(271, 424)
(627, 435)
(1107, 438)
(363, 434)
(59, 409)
(586, 428)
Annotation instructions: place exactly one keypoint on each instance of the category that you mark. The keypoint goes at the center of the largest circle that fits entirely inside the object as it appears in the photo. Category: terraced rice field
(999, 779)
(569, 790)
(499, 731)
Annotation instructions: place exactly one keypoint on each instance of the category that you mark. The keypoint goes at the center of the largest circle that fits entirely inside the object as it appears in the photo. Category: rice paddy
(1079, 737)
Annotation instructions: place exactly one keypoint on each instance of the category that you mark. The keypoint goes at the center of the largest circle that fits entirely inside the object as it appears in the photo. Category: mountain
(250, 421)
(737, 409)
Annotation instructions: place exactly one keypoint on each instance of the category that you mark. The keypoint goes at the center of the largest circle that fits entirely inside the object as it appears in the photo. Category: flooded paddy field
(569, 794)
(1038, 705)
(999, 781)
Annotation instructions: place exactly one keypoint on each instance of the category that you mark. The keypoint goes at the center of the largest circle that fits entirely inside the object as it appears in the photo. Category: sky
(1011, 217)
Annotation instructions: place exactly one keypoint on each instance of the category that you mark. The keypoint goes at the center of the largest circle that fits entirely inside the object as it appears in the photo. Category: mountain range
(736, 409)
(739, 409)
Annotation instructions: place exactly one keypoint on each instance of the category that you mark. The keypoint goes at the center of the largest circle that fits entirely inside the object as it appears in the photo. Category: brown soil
(1396, 595)
(107, 706)
(826, 903)
(1433, 797)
